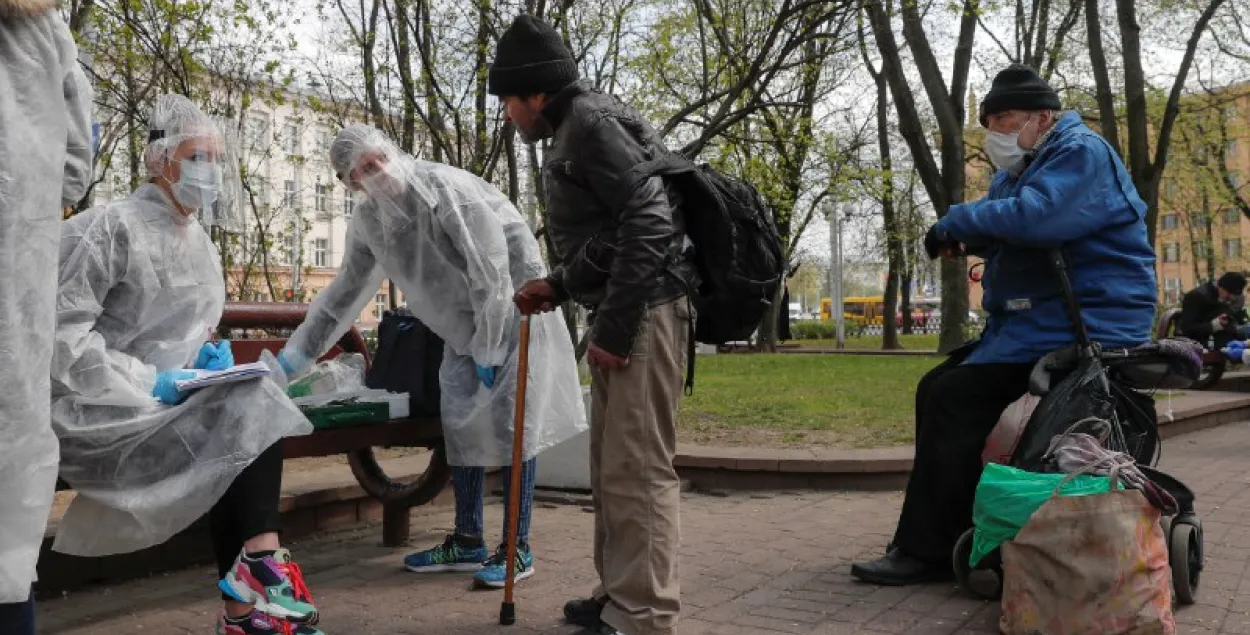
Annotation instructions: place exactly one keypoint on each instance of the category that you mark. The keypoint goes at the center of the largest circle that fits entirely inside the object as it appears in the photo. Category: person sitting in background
(1216, 311)
(140, 289)
(1058, 186)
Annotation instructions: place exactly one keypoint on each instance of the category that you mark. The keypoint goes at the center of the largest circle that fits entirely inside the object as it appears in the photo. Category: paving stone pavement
(751, 563)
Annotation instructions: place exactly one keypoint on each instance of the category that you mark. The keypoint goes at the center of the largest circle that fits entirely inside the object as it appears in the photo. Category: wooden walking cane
(507, 612)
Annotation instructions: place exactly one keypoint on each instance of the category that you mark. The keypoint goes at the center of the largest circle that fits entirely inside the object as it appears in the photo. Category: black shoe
(602, 629)
(899, 569)
(584, 612)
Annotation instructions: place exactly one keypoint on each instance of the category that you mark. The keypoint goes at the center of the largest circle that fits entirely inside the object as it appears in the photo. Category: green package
(1007, 497)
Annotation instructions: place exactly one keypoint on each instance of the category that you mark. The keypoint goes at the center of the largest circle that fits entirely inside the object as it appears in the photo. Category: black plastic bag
(408, 358)
(1083, 394)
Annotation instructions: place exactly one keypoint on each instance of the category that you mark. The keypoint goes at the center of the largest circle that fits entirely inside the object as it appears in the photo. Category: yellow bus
(858, 311)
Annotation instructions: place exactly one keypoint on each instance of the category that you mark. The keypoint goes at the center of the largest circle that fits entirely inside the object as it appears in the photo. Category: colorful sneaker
(273, 584)
(494, 572)
(452, 555)
(258, 623)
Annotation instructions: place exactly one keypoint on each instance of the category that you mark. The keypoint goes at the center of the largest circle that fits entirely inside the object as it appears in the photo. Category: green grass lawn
(873, 343)
(802, 401)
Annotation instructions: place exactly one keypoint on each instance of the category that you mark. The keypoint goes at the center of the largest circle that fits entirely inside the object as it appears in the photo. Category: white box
(567, 465)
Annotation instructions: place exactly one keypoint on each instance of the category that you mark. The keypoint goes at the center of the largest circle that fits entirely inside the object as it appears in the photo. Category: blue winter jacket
(1075, 194)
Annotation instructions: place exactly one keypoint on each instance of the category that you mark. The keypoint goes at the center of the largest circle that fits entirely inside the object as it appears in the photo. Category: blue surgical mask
(198, 185)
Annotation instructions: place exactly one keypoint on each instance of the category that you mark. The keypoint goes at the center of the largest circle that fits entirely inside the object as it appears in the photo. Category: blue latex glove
(487, 375)
(166, 390)
(215, 356)
(288, 366)
(1235, 351)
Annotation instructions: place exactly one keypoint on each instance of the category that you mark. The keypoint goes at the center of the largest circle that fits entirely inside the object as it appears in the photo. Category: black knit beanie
(530, 59)
(1232, 282)
(1018, 87)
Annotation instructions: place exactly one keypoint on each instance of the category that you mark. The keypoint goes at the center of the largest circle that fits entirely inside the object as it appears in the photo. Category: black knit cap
(531, 59)
(1018, 87)
(1232, 282)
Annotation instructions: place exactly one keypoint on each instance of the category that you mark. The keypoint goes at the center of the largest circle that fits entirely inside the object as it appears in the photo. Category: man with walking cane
(458, 250)
(623, 255)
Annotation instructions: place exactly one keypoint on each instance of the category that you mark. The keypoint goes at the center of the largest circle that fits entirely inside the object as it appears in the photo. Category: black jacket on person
(618, 254)
(1202, 305)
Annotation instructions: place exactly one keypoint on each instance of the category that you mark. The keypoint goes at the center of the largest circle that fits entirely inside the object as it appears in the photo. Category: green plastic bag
(1006, 498)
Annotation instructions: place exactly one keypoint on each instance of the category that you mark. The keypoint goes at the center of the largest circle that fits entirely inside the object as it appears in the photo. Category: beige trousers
(633, 436)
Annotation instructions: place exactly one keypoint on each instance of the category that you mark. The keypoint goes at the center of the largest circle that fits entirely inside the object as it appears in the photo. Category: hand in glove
(292, 362)
(938, 243)
(1235, 351)
(166, 390)
(487, 375)
(215, 356)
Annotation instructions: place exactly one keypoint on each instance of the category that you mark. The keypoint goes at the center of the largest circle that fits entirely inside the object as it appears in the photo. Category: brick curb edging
(872, 469)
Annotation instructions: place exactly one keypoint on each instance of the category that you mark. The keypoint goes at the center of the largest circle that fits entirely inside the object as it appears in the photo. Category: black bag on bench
(408, 358)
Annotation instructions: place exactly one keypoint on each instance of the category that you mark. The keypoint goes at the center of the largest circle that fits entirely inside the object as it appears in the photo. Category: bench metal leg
(396, 525)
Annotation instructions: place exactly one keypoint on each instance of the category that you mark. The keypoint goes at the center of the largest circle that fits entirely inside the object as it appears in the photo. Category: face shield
(206, 179)
(227, 210)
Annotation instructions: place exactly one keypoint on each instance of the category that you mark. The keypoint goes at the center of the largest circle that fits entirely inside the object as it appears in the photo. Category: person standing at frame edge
(626, 261)
(45, 165)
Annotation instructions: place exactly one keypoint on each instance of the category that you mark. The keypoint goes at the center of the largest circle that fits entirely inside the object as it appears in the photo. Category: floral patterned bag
(1089, 565)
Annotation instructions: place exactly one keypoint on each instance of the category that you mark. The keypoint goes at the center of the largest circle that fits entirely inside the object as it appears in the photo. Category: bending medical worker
(140, 289)
(459, 251)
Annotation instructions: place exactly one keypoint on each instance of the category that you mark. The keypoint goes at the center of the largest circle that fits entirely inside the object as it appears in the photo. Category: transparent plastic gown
(458, 249)
(140, 288)
(45, 162)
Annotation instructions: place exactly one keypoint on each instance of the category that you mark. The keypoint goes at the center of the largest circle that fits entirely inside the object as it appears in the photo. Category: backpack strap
(667, 164)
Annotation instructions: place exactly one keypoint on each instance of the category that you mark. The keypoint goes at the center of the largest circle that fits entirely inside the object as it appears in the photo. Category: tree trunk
(766, 335)
(893, 235)
(1209, 238)
(1109, 125)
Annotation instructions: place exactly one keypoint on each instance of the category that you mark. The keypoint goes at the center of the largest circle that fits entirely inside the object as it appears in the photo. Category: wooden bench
(242, 322)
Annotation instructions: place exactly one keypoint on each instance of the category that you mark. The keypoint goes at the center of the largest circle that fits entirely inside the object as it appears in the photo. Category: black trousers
(19, 618)
(248, 509)
(956, 409)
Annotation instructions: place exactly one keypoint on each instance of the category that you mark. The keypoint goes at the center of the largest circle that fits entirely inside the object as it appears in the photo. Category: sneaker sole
(502, 583)
(245, 594)
(464, 567)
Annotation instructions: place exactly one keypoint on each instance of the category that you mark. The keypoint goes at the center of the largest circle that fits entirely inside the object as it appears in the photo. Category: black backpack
(737, 251)
(408, 358)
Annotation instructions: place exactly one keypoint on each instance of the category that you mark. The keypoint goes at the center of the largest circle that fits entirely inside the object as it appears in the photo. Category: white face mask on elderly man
(1004, 147)
(198, 185)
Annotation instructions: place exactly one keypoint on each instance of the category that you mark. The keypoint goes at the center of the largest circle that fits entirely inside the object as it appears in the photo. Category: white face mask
(198, 185)
(1004, 147)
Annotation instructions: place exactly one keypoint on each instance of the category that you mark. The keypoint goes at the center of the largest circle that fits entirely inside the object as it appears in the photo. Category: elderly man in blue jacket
(1058, 184)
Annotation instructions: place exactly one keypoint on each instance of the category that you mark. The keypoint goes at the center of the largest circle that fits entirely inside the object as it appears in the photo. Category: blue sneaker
(494, 572)
(452, 555)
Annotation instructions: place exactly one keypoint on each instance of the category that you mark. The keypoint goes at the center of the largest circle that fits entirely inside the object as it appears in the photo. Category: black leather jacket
(618, 254)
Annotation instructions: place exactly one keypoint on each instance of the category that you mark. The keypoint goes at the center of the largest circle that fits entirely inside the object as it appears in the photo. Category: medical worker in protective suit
(459, 250)
(140, 290)
(45, 163)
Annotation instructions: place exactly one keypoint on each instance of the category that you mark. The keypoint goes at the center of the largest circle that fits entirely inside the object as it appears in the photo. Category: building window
(1237, 178)
(288, 249)
(323, 192)
(1200, 249)
(320, 249)
(257, 132)
(1172, 291)
(349, 202)
(1232, 149)
(379, 305)
(1232, 247)
(288, 193)
(290, 139)
(1232, 217)
(1171, 252)
(1171, 221)
(323, 142)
